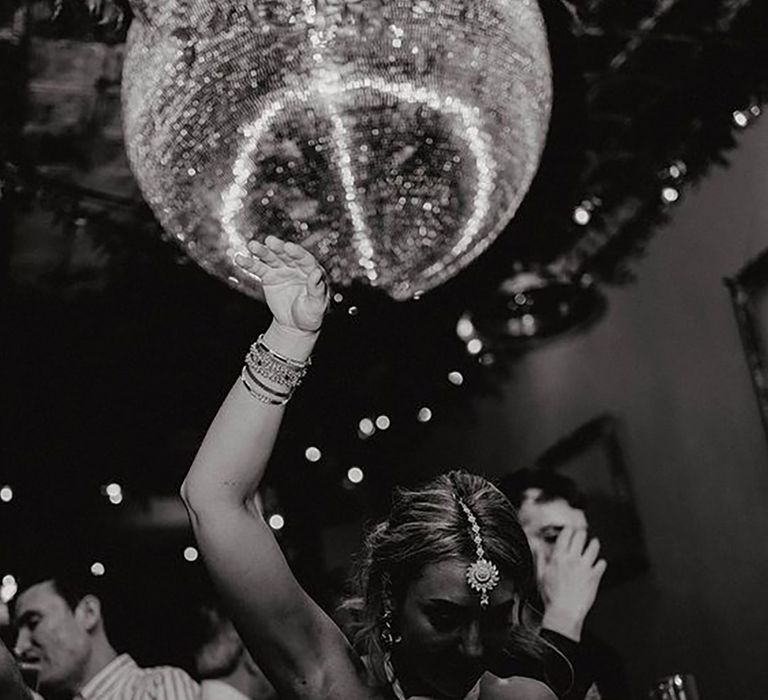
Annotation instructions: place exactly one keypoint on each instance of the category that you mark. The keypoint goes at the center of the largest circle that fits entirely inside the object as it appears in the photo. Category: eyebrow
(25, 617)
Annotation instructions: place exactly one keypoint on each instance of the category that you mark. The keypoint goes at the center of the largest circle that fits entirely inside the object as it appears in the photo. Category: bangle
(253, 391)
(282, 358)
(264, 363)
(255, 380)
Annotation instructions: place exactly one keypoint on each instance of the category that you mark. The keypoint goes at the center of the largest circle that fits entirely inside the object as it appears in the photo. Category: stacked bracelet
(262, 362)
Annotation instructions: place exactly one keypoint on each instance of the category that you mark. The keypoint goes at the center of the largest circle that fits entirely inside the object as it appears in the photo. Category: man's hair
(552, 486)
(72, 582)
(219, 647)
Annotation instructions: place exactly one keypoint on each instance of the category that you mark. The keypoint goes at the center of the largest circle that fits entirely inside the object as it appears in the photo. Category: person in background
(226, 669)
(62, 632)
(568, 572)
(12, 685)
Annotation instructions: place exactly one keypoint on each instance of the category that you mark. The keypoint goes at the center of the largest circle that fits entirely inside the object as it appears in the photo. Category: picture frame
(749, 295)
(593, 456)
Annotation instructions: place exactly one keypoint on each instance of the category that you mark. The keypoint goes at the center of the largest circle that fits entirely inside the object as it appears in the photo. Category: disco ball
(393, 138)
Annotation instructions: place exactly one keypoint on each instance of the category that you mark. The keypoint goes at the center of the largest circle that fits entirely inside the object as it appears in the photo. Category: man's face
(52, 637)
(543, 521)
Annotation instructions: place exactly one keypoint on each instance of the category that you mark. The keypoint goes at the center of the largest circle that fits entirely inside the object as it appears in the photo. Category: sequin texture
(394, 139)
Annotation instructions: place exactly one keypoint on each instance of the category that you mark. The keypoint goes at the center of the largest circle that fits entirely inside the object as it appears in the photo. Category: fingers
(592, 550)
(578, 541)
(599, 569)
(276, 253)
(316, 287)
(252, 266)
(264, 254)
(563, 541)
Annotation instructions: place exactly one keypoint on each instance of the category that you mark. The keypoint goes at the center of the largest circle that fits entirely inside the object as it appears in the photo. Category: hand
(293, 283)
(568, 581)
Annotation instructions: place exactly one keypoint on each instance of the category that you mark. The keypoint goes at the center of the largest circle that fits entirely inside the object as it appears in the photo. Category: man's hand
(568, 580)
(293, 282)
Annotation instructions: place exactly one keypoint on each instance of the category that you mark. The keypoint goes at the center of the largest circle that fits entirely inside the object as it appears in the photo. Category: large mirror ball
(393, 138)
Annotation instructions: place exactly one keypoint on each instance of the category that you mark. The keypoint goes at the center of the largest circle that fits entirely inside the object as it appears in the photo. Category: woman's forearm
(233, 456)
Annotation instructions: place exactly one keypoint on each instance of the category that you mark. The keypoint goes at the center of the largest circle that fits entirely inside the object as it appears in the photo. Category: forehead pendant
(482, 574)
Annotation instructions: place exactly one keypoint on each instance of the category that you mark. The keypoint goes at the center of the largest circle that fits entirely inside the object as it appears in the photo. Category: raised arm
(297, 645)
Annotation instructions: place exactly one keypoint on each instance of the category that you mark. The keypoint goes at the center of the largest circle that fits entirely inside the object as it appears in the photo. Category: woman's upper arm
(297, 645)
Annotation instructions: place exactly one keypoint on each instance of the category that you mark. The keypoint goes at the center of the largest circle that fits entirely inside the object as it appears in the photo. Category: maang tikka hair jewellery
(482, 574)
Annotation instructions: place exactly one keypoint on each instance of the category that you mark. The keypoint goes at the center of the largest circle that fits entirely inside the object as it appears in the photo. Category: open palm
(292, 280)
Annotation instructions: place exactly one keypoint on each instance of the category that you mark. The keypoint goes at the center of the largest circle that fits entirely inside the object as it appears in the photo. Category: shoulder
(166, 683)
(514, 688)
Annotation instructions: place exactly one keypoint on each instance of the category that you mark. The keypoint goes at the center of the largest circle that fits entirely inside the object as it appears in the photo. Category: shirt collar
(108, 677)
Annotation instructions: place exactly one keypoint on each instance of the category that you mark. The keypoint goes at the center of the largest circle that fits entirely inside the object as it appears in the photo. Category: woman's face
(447, 639)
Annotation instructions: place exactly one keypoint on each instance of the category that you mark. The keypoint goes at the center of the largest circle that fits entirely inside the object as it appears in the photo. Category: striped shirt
(122, 679)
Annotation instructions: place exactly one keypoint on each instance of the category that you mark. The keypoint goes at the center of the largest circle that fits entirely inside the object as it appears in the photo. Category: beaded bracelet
(262, 361)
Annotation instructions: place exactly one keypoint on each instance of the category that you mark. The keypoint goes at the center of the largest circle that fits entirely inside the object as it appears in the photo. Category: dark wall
(668, 362)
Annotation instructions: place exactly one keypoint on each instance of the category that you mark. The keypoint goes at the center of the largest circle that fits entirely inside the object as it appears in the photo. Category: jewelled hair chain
(482, 574)
(262, 362)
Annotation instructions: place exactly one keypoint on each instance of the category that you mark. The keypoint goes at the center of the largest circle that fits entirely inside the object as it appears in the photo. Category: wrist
(564, 622)
(291, 342)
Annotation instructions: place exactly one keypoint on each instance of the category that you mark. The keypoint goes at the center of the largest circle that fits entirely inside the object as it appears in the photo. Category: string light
(355, 475)
(6, 494)
(114, 492)
(8, 589)
(740, 118)
(313, 454)
(424, 415)
(456, 378)
(677, 169)
(465, 329)
(383, 422)
(581, 215)
(670, 195)
(474, 346)
(366, 428)
(276, 521)
(98, 569)
(191, 553)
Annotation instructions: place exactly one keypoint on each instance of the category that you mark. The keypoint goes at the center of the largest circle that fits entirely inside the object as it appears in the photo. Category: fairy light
(313, 454)
(581, 215)
(98, 569)
(191, 554)
(670, 195)
(474, 346)
(456, 378)
(355, 475)
(366, 427)
(383, 422)
(424, 415)
(276, 521)
(8, 588)
(6, 494)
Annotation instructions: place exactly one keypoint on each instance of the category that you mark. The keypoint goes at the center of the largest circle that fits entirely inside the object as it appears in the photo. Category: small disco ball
(392, 138)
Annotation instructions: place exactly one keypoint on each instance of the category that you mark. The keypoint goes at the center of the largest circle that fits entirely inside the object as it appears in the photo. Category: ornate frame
(594, 457)
(745, 288)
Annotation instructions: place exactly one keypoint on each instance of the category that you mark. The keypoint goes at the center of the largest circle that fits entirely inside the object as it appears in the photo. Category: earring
(388, 638)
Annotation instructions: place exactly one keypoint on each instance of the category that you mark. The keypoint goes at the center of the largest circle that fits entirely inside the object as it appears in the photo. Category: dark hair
(72, 581)
(552, 485)
(427, 525)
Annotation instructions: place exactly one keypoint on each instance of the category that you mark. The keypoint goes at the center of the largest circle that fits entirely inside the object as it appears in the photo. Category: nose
(472, 641)
(23, 643)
